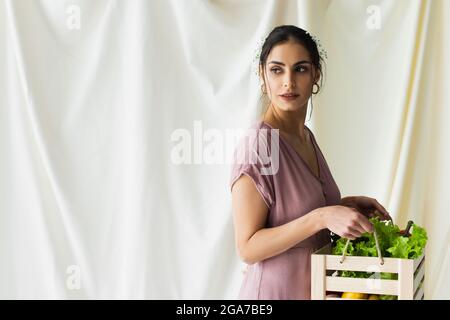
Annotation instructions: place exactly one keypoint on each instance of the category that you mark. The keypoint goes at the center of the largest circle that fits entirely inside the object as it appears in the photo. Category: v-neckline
(317, 177)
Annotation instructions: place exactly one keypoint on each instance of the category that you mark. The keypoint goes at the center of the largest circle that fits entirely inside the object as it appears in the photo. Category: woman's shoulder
(258, 145)
(258, 134)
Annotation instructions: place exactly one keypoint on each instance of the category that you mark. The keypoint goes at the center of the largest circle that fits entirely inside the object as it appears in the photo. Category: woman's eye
(300, 69)
(274, 70)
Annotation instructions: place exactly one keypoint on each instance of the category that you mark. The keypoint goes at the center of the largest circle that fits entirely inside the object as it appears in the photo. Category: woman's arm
(269, 242)
(255, 242)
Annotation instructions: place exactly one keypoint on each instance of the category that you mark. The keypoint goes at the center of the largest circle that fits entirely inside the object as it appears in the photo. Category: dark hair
(285, 33)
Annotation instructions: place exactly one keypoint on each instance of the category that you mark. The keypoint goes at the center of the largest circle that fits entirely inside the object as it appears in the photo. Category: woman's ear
(316, 78)
(261, 77)
(316, 75)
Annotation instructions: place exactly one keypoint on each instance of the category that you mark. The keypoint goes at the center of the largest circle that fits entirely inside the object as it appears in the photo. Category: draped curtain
(95, 96)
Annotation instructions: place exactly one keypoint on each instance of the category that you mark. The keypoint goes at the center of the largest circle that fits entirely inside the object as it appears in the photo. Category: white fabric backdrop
(92, 204)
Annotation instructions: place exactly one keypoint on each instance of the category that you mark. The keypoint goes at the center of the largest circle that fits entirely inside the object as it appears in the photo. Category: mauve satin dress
(290, 191)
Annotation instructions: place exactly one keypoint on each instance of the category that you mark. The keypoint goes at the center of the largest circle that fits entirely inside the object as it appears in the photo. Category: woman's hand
(345, 221)
(369, 207)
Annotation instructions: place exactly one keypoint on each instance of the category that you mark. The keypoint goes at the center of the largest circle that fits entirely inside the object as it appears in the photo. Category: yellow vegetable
(374, 297)
(354, 295)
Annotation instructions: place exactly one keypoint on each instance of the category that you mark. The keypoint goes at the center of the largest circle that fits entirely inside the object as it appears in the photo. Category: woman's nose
(289, 81)
(289, 84)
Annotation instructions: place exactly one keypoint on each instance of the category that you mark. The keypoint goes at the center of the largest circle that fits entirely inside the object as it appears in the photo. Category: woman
(281, 218)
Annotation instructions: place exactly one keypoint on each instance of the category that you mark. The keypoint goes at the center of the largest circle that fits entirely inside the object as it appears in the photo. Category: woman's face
(289, 70)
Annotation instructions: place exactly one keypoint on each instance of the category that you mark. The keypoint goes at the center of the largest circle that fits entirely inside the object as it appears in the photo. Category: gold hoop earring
(318, 88)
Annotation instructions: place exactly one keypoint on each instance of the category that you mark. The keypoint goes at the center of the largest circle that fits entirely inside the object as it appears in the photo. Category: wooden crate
(409, 286)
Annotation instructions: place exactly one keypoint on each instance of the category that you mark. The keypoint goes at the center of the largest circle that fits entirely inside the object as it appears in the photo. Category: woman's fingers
(365, 224)
(349, 236)
(381, 211)
(383, 216)
(355, 232)
(377, 213)
(357, 228)
(361, 223)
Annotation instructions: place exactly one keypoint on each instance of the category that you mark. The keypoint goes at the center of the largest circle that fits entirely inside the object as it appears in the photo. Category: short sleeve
(251, 158)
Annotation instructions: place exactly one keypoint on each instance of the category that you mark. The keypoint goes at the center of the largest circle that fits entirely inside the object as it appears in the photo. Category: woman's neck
(291, 123)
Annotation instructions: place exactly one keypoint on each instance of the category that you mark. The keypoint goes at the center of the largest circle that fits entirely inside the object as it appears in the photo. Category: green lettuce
(392, 244)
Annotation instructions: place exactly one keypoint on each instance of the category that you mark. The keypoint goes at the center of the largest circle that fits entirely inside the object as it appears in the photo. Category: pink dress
(290, 190)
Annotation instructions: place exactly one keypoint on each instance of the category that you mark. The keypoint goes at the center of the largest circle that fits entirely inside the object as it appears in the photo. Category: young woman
(281, 218)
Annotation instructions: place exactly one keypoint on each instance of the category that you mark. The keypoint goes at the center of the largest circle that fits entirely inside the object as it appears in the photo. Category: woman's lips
(289, 98)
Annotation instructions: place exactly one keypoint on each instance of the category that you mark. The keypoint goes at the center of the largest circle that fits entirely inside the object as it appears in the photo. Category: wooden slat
(419, 294)
(334, 298)
(418, 261)
(410, 283)
(375, 286)
(318, 277)
(366, 264)
(406, 279)
(419, 276)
